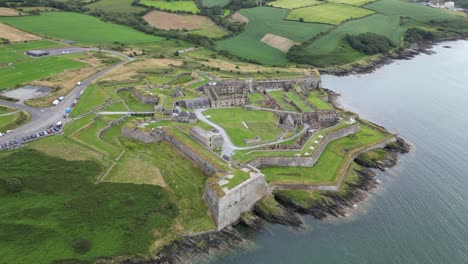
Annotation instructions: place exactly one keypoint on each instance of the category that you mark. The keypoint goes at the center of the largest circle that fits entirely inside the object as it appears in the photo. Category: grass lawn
(328, 166)
(133, 103)
(116, 6)
(263, 20)
(59, 204)
(211, 3)
(423, 13)
(315, 100)
(330, 13)
(187, 6)
(15, 52)
(299, 101)
(260, 123)
(278, 95)
(292, 4)
(255, 97)
(78, 27)
(26, 71)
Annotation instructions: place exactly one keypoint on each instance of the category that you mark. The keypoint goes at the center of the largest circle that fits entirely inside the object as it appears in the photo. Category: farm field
(15, 35)
(332, 49)
(352, 2)
(34, 69)
(417, 12)
(264, 20)
(259, 123)
(330, 13)
(186, 6)
(211, 3)
(199, 25)
(5, 11)
(117, 6)
(330, 162)
(78, 27)
(292, 4)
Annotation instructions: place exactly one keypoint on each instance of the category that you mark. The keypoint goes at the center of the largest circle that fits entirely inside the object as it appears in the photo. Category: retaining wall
(228, 209)
(262, 162)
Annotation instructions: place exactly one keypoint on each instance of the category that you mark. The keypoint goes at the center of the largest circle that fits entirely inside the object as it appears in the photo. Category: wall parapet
(262, 162)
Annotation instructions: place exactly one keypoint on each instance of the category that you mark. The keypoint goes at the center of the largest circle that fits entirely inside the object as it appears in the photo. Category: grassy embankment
(11, 118)
(332, 162)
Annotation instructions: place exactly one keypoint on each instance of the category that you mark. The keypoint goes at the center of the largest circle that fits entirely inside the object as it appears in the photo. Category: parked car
(9, 131)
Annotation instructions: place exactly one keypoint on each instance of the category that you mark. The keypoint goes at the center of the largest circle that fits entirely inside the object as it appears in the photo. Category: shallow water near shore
(419, 212)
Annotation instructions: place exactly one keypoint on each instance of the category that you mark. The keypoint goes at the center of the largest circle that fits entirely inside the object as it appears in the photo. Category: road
(42, 118)
(228, 146)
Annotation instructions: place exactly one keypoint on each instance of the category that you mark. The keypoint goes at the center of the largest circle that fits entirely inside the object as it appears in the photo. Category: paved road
(228, 146)
(42, 118)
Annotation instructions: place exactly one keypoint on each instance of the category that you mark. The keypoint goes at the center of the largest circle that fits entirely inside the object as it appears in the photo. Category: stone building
(195, 103)
(183, 117)
(211, 139)
(228, 93)
(192, 118)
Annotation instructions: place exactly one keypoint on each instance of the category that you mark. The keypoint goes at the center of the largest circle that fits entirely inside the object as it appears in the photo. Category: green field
(328, 166)
(292, 4)
(331, 49)
(330, 13)
(60, 204)
(117, 6)
(418, 12)
(78, 27)
(352, 2)
(263, 20)
(11, 53)
(211, 3)
(279, 97)
(34, 69)
(315, 100)
(260, 123)
(186, 6)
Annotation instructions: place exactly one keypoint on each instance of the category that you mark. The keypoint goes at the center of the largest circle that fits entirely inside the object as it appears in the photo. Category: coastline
(370, 66)
(190, 248)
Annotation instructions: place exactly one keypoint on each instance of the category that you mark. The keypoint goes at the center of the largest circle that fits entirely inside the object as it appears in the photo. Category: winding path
(42, 118)
(228, 146)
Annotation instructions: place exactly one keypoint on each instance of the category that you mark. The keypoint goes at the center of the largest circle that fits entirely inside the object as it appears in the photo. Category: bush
(82, 245)
(14, 185)
(369, 43)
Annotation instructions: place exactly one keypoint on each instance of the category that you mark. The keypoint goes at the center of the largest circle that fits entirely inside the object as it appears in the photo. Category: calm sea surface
(419, 213)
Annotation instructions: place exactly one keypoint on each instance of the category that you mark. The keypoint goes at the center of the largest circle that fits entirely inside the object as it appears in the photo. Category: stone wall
(262, 162)
(227, 210)
(145, 99)
(111, 125)
(159, 135)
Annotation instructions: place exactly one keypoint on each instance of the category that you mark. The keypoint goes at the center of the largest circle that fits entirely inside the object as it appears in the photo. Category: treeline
(216, 15)
(369, 43)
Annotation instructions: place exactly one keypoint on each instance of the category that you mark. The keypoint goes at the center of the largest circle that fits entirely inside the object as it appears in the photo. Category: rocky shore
(382, 60)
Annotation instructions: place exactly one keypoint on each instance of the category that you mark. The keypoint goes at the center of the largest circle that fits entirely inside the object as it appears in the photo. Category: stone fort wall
(262, 162)
(227, 210)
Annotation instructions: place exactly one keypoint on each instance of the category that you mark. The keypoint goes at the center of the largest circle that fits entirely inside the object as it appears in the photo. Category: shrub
(82, 245)
(14, 185)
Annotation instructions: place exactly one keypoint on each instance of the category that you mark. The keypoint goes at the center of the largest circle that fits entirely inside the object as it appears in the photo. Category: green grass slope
(78, 27)
(59, 203)
(330, 13)
(117, 6)
(263, 20)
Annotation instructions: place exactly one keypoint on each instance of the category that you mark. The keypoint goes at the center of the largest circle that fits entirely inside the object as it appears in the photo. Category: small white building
(449, 5)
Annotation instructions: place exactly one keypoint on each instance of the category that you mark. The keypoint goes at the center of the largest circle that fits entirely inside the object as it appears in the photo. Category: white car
(9, 131)
(1, 134)
(55, 102)
(61, 98)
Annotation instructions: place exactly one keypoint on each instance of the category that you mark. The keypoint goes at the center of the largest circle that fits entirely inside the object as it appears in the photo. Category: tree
(14, 185)
(81, 245)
